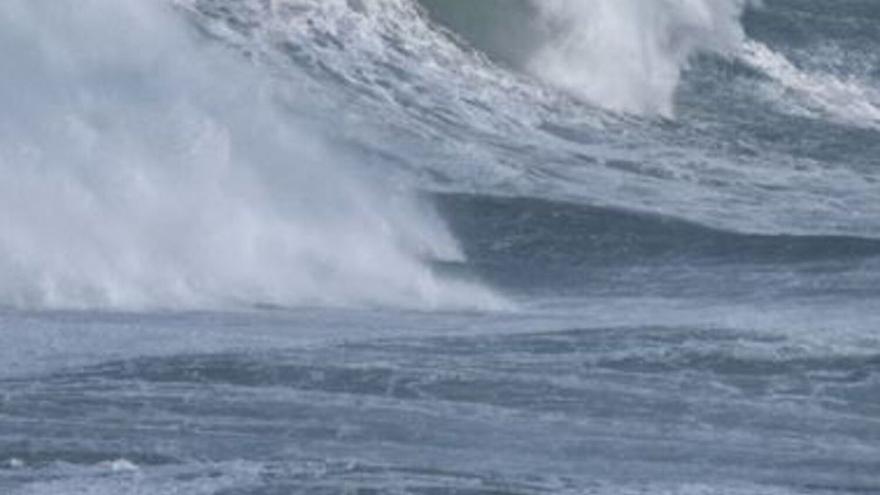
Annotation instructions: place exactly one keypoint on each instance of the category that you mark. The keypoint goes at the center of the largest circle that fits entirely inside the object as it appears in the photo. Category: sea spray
(141, 166)
(628, 55)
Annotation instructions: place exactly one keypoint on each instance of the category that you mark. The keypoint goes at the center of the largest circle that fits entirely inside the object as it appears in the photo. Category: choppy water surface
(389, 246)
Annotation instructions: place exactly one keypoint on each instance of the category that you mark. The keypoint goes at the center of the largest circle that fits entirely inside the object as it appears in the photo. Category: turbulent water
(439, 246)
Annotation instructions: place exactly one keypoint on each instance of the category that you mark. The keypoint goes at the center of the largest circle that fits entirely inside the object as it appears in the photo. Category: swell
(569, 231)
(533, 244)
(365, 413)
(557, 371)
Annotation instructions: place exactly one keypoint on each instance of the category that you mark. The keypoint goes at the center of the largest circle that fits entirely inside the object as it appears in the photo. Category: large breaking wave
(207, 152)
(141, 167)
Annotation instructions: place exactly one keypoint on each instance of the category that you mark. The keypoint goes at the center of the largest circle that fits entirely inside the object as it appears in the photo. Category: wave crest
(628, 55)
(622, 55)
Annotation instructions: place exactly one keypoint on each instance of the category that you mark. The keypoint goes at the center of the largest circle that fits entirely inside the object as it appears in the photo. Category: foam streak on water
(848, 100)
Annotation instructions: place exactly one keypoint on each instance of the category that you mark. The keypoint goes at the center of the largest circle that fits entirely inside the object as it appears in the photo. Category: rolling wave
(443, 96)
(531, 245)
(222, 152)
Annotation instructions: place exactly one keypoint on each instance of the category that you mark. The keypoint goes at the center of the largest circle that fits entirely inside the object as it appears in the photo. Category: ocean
(271, 247)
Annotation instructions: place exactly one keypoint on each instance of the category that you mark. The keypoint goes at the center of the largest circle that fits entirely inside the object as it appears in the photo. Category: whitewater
(439, 246)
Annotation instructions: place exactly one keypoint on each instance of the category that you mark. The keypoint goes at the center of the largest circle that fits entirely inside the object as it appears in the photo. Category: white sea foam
(628, 55)
(142, 167)
(844, 99)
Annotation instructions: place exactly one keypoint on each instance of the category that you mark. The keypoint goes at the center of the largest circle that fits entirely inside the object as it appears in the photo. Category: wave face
(444, 95)
(140, 167)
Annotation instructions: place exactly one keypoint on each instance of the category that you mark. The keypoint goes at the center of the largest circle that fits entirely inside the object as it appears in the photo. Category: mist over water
(141, 167)
(620, 55)
(629, 55)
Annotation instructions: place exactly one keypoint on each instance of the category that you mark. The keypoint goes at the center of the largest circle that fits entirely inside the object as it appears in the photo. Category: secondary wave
(447, 94)
(622, 55)
(628, 55)
(141, 167)
(844, 99)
